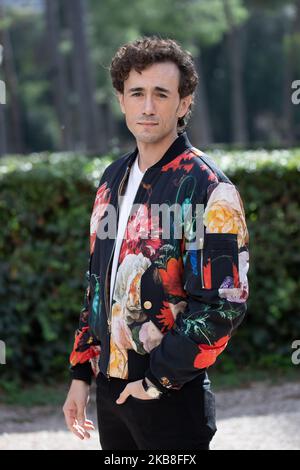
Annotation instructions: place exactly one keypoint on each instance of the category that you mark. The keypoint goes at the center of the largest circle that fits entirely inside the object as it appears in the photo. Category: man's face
(151, 102)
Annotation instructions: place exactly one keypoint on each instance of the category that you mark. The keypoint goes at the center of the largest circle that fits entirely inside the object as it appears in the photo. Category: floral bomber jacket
(174, 305)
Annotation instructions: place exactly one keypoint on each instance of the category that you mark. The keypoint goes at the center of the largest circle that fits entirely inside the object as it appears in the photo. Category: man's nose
(148, 107)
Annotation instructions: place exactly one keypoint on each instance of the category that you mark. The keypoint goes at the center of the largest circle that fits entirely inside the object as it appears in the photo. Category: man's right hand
(75, 409)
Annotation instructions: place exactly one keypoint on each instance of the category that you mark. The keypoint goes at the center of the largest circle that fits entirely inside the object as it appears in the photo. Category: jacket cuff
(155, 382)
(82, 371)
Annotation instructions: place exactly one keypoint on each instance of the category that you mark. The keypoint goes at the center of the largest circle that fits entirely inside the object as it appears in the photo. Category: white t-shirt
(126, 202)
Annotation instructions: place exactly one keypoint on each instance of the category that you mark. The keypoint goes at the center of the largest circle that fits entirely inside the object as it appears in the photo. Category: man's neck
(151, 153)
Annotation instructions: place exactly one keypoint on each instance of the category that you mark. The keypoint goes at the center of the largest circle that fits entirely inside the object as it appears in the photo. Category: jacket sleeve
(216, 286)
(86, 349)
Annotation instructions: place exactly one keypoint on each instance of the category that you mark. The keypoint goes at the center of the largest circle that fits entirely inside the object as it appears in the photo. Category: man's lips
(148, 123)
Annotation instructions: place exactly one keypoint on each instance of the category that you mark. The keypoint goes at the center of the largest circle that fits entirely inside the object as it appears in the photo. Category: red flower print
(142, 235)
(207, 274)
(101, 202)
(166, 317)
(172, 277)
(211, 175)
(83, 348)
(180, 163)
(209, 353)
(236, 279)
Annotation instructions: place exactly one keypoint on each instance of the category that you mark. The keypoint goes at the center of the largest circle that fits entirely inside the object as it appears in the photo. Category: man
(159, 308)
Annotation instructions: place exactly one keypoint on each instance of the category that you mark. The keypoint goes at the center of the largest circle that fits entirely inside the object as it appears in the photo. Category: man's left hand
(135, 389)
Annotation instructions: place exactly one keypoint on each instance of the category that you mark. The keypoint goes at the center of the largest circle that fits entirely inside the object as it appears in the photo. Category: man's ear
(184, 105)
(121, 101)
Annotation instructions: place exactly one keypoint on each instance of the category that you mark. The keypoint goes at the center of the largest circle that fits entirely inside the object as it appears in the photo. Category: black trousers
(181, 420)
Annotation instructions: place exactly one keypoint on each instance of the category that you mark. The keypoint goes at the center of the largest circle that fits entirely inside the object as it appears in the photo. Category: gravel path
(259, 417)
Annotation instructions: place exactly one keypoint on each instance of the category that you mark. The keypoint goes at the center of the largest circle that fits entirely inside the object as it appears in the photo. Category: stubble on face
(151, 106)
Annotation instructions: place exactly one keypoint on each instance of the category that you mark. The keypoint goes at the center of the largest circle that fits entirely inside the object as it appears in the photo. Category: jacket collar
(180, 144)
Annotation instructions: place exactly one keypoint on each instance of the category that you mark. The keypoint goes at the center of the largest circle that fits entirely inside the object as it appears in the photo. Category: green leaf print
(135, 336)
(94, 313)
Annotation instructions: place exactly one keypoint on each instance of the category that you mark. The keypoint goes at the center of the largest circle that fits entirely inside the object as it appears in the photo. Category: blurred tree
(3, 149)
(196, 24)
(235, 54)
(90, 131)
(57, 74)
(38, 123)
(291, 44)
(60, 94)
(289, 11)
(16, 143)
(2, 119)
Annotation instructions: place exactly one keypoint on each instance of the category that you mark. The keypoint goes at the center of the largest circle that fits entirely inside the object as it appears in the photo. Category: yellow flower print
(224, 213)
(118, 361)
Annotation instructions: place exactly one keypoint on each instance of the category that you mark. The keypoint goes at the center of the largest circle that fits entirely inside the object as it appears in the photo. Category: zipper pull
(109, 325)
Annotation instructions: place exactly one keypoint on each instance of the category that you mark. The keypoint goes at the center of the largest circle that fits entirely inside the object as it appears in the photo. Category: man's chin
(148, 138)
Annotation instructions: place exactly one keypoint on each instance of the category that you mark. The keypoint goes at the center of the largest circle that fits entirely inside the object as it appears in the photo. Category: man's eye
(162, 95)
(136, 94)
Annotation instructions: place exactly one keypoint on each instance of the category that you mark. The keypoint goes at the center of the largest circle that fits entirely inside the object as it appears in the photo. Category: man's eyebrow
(157, 88)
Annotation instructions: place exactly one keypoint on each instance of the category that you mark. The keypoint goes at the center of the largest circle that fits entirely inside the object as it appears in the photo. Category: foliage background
(61, 126)
(45, 206)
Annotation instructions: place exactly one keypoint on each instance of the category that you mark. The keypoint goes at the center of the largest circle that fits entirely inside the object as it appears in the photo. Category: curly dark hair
(143, 52)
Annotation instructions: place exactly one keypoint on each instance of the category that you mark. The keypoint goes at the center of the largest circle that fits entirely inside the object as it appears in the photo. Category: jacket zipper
(201, 261)
(109, 262)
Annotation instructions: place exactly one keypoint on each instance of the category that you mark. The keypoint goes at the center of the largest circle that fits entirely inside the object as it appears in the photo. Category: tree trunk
(2, 107)
(57, 74)
(287, 106)
(235, 54)
(2, 131)
(291, 71)
(90, 128)
(11, 81)
(200, 127)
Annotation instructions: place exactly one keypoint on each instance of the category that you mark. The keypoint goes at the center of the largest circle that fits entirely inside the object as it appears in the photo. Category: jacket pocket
(142, 401)
(219, 266)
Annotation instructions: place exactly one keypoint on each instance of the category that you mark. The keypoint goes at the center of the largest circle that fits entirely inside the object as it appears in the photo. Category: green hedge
(45, 206)
(269, 185)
